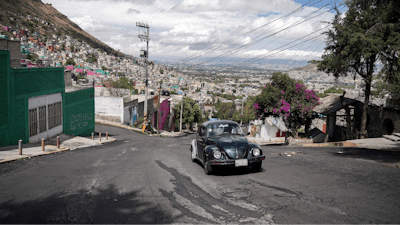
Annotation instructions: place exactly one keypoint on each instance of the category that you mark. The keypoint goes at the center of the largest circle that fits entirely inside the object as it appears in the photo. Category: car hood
(234, 145)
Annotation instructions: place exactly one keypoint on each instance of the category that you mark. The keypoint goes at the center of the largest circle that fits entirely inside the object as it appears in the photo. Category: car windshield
(223, 128)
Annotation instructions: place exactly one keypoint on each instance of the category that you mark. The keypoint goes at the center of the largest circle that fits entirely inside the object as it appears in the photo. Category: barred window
(42, 119)
(33, 126)
(54, 112)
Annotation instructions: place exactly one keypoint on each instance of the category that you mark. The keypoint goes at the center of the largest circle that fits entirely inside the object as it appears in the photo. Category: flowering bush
(288, 99)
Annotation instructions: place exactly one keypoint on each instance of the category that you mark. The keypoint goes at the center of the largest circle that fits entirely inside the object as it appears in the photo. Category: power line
(276, 39)
(257, 41)
(254, 42)
(287, 62)
(263, 56)
(155, 11)
(162, 12)
(239, 36)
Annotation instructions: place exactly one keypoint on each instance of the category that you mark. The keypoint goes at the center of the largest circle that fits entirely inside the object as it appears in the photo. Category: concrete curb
(119, 125)
(332, 144)
(50, 149)
(36, 155)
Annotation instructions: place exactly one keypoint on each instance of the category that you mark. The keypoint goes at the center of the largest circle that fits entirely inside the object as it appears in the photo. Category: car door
(201, 142)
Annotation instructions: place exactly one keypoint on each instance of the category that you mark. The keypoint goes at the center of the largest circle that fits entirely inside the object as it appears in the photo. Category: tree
(31, 57)
(225, 110)
(389, 90)
(120, 87)
(288, 99)
(72, 48)
(359, 40)
(104, 68)
(248, 112)
(190, 112)
(388, 80)
(91, 58)
(70, 62)
(161, 71)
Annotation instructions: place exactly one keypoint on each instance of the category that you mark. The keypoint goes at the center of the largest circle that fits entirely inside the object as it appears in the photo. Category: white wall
(268, 131)
(109, 106)
(127, 116)
(45, 100)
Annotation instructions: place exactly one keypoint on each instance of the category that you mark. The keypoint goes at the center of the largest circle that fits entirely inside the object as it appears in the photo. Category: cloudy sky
(191, 30)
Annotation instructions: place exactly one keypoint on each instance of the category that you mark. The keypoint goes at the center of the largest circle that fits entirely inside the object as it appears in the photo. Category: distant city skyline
(180, 29)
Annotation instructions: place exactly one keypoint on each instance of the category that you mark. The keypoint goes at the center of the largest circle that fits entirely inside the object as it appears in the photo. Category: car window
(219, 129)
(201, 131)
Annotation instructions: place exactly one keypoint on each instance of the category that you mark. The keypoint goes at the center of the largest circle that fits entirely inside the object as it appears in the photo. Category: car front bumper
(231, 162)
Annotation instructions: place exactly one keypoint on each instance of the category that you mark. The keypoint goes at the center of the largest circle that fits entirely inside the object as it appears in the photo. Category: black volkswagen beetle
(222, 143)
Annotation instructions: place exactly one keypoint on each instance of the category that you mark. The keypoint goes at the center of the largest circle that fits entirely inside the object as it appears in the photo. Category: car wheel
(191, 154)
(257, 167)
(207, 167)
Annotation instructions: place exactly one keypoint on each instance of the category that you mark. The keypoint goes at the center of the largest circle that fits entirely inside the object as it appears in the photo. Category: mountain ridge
(58, 23)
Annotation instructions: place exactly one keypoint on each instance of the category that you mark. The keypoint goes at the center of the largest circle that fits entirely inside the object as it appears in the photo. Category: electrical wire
(263, 56)
(326, 13)
(246, 33)
(229, 53)
(261, 39)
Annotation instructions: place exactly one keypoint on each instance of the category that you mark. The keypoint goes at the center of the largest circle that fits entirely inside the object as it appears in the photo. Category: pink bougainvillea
(295, 104)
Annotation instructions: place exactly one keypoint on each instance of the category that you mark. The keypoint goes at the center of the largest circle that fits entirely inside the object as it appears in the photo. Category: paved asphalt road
(142, 179)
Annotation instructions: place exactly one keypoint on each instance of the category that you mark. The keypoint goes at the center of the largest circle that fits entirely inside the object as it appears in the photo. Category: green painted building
(35, 105)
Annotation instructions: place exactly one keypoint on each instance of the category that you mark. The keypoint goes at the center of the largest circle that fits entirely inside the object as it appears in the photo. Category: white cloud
(133, 11)
(90, 24)
(192, 26)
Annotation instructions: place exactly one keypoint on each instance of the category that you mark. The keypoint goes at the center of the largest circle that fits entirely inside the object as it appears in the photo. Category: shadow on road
(230, 171)
(104, 206)
(379, 156)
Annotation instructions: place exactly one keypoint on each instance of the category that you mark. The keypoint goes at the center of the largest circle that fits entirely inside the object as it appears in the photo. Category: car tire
(207, 167)
(256, 167)
(191, 154)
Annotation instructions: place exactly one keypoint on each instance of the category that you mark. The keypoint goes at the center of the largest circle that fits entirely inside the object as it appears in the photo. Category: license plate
(241, 162)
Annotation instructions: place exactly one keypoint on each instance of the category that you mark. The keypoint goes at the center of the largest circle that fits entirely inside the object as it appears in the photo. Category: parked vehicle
(222, 143)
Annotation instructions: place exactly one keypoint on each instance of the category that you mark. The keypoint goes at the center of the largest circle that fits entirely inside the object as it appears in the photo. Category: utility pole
(159, 109)
(180, 123)
(241, 114)
(242, 111)
(145, 53)
(116, 62)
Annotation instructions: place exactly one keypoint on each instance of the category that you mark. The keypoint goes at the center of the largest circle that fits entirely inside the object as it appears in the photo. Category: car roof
(218, 122)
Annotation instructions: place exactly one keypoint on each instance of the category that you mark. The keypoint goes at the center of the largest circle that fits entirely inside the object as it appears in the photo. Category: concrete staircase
(393, 137)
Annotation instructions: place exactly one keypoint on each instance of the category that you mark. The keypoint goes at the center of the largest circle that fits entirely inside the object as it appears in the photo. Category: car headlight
(217, 154)
(256, 152)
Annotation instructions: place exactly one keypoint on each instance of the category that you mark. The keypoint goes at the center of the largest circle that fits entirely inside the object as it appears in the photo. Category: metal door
(134, 114)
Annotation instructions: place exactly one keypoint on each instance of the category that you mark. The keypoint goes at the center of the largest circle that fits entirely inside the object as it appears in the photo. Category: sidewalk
(67, 142)
(163, 133)
(377, 143)
(368, 143)
(260, 141)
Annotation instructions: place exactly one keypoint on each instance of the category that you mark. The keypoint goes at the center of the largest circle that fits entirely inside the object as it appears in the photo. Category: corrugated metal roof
(332, 104)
